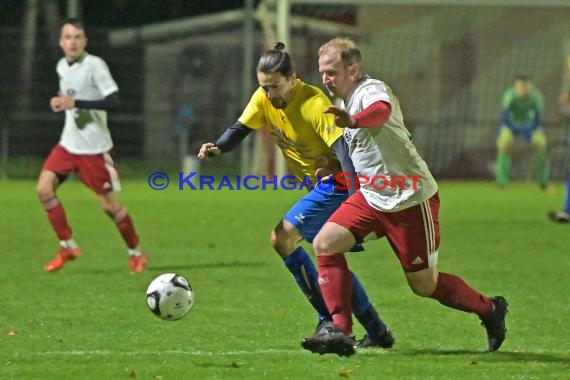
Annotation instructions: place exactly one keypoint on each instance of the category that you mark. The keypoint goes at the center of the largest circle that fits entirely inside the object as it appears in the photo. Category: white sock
(68, 243)
(135, 251)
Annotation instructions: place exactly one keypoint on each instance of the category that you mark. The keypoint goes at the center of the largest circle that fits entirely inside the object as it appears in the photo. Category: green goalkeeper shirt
(522, 112)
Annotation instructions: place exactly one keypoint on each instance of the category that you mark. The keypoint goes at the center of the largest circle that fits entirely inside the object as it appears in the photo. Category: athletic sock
(540, 163)
(135, 251)
(567, 195)
(363, 310)
(57, 218)
(68, 244)
(306, 276)
(502, 168)
(372, 323)
(334, 279)
(126, 227)
(453, 292)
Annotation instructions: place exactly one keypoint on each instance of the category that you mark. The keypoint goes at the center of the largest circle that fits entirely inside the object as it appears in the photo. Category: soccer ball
(170, 296)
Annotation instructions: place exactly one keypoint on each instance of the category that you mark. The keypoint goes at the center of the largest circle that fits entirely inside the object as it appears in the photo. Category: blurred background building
(186, 69)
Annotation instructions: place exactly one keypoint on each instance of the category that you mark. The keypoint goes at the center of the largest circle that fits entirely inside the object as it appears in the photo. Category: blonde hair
(347, 48)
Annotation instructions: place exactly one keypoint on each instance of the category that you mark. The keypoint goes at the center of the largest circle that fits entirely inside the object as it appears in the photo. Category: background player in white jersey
(87, 91)
(406, 214)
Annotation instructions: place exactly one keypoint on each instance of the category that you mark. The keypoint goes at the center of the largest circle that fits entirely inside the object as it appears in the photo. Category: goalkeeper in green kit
(522, 110)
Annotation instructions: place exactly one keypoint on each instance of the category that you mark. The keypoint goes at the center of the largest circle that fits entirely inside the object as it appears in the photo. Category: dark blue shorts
(526, 133)
(312, 211)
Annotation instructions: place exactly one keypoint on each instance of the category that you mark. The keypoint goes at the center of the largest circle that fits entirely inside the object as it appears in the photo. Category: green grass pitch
(90, 321)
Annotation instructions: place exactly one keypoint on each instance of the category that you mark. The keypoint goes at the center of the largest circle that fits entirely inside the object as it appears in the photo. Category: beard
(278, 103)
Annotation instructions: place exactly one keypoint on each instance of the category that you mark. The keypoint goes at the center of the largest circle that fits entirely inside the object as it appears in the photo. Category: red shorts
(96, 171)
(413, 233)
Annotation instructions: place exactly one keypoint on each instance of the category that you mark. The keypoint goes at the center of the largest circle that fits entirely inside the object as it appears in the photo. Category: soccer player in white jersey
(405, 212)
(87, 91)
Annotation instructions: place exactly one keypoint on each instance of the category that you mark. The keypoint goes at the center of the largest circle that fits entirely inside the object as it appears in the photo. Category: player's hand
(326, 166)
(61, 103)
(208, 150)
(341, 117)
(55, 104)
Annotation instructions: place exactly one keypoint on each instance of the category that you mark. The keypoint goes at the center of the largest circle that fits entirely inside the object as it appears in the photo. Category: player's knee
(424, 287)
(423, 290)
(504, 140)
(45, 193)
(320, 245)
(503, 146)
(282, 242)
(274, 239)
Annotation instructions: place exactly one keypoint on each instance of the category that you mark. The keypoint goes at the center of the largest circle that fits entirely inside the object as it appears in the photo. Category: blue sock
(567, 196)
(364, 312)
(306, 276)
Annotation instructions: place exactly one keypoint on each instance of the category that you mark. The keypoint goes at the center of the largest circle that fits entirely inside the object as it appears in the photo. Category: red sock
(336, 286)
(126, 227)
(57, 218)
(453, 292)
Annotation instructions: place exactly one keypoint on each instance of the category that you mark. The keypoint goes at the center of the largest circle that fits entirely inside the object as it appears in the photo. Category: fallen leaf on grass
(345, 373)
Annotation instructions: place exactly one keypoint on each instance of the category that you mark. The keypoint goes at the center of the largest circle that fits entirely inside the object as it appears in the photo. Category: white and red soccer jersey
(85, 130)
(386, 154)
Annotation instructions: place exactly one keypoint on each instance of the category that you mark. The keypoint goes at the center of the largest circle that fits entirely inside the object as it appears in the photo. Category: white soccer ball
(170, 296)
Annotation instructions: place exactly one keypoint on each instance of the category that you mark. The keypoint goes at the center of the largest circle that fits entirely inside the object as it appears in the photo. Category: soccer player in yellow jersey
(312, 146)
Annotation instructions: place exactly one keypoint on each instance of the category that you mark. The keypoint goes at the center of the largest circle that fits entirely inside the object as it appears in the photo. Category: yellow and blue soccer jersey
(302, 130)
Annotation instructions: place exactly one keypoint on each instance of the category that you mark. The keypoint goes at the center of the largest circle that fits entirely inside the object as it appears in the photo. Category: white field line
(163, 353)
(179, 352)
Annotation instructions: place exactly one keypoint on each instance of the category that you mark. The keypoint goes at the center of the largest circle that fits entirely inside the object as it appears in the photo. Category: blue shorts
(312, 211)
(526, 133)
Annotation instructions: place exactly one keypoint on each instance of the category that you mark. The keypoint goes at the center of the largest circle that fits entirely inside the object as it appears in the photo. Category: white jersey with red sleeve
(85, 130)
(395, 176)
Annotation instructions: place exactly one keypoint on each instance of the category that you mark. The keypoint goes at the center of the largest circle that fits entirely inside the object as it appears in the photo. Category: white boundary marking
(166, 352)
(181, 352)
